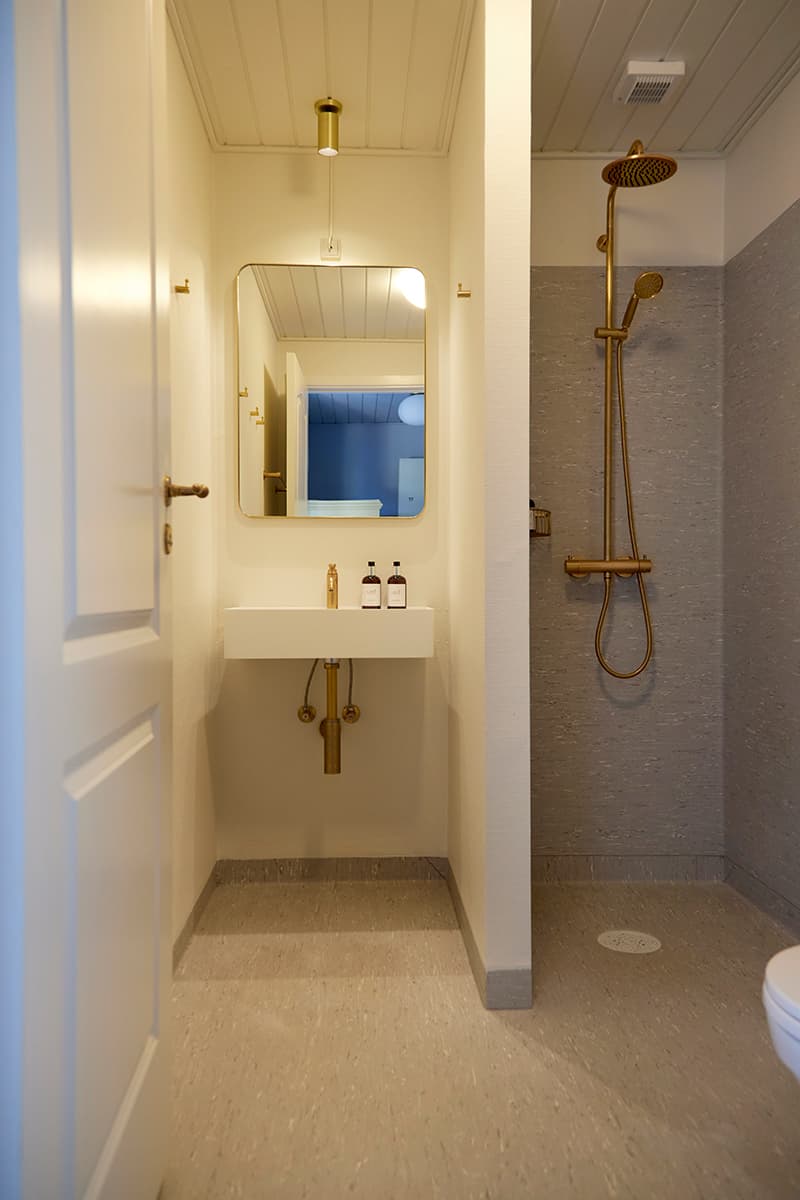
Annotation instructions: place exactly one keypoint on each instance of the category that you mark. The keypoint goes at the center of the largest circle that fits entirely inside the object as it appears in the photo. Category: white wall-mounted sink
(328, 633)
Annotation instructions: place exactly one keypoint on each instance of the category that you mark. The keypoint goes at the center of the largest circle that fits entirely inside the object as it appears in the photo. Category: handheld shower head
(647, 285)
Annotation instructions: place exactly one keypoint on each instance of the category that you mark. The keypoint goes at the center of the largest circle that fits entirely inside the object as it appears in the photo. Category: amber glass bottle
(371, 588)
(396, 588)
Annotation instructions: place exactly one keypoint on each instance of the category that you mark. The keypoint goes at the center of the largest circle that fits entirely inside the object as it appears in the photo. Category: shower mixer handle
(579, 568)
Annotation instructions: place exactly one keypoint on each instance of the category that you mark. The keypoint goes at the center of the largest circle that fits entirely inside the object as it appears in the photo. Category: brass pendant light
(328, 111)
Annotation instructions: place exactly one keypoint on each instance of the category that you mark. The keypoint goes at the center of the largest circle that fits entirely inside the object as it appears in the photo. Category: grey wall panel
(762, 557)
(628, 767)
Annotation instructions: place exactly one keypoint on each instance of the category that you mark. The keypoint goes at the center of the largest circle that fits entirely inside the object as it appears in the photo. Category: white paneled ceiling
(257, 66)
(739, 54)
(364, 303)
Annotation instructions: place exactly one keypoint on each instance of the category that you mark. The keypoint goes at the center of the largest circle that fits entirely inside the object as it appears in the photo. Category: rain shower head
(647, 285)
(638, 169)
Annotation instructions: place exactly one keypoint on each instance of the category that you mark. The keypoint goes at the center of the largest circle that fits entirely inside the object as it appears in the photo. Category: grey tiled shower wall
(627, 774)
(692, 770)
(762, 566)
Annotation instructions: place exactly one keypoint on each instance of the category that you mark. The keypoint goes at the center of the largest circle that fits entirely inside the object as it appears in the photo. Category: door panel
(93, 299)
(111, 211)
(296, 438)
(115, 648)
(116, 882)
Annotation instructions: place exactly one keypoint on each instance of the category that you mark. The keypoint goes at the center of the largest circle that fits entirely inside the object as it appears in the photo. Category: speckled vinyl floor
(330, 1043)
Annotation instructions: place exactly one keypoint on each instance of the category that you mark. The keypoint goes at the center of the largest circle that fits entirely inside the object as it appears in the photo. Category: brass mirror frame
(238, 398)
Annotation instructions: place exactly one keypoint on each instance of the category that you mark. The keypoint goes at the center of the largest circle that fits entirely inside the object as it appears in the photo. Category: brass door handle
(173, 489)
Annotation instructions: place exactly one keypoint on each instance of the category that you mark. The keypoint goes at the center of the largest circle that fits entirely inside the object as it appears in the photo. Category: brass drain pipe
(331, 726)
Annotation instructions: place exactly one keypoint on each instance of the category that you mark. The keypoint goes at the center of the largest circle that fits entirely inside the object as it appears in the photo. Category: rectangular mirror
(331, 383)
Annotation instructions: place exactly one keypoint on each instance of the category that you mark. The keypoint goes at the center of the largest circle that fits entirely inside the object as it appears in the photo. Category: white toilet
(781, 994)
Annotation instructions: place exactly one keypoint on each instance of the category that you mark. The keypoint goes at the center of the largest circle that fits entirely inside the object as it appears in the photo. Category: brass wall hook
(463, 293)
(182, 287)
(280, 486)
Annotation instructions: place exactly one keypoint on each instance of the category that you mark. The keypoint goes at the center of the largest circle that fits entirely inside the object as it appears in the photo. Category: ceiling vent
(648, 82)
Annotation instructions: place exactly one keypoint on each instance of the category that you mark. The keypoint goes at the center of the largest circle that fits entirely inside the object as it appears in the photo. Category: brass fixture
(625, 568)
(168, 538)
(173, 489)
(648, 284)
(254, 412)
(328, 111)
(183, 288)
(637, 169)
(244, 393)
(306, 712)
(332, 587)
(540, 521)
(260, 421)
(351, 712)
(463, 293)
(620, 334)
(331, 726)
(276, 475)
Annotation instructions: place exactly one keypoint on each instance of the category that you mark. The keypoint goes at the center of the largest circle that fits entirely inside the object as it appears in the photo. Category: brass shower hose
(608, 578)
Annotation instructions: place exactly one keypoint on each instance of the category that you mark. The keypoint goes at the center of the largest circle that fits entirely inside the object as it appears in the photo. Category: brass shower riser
(579, 568)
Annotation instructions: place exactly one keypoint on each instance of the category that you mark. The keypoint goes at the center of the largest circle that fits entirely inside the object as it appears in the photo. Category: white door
(92, 352)
(296, 439)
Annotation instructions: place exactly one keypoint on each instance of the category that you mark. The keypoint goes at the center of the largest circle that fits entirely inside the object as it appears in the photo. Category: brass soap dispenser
(332, 586)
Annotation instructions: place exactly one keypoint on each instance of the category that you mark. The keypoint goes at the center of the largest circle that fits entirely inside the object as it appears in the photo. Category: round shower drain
(629, 941)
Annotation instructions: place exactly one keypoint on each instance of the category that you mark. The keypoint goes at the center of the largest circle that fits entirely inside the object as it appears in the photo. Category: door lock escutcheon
(171, 490)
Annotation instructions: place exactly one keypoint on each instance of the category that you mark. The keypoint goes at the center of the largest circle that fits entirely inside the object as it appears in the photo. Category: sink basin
(252, 632)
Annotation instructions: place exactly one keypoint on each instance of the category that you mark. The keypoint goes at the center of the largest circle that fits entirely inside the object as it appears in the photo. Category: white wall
(335, 363)
(507, 367)
(193, 557)
(679, 222)
(489, 721)
(763, 172)
(12, 627)
(467, 559)
(272, 797)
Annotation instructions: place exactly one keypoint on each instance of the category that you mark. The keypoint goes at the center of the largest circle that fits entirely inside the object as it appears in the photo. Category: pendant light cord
(330, 203)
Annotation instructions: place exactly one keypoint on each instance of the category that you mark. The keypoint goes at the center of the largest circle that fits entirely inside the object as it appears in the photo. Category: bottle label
(370, 595)
(395, 595)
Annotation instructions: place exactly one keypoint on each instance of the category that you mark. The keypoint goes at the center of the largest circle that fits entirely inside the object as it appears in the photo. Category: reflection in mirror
(331, 367)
